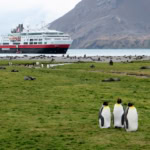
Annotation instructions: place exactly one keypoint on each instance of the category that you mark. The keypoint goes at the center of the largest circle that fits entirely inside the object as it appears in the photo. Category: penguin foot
(117, 127)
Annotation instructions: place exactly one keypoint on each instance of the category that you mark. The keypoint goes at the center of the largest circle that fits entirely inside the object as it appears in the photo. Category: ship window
(54, 36)
(57, 39)
(25, 43)
(35, 42)
(31, 42)
(5, 43)
(35, 39)
(31, 39)
(16, 43)
(40, 39)
(23, 33)
(52, 33)
(47, 39)
(45, 42)
(35, 33)
(39, 42)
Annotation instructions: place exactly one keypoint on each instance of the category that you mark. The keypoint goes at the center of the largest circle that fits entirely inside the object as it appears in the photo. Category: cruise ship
(35, 41)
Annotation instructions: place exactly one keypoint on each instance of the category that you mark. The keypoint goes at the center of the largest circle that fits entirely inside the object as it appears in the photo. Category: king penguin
(118, 114)
(104, 116)
(131, 118)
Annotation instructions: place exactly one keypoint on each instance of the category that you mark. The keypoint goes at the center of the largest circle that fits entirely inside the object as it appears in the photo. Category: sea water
(94, 52)
(108, 52)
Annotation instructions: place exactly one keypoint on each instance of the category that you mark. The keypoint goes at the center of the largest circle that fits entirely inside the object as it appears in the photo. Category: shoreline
(73, 59)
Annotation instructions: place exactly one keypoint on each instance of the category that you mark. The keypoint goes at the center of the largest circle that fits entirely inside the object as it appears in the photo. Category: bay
(108, 52)
(94, 52)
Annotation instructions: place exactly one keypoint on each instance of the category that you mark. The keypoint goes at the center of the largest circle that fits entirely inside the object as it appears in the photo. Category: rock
(1, 67)
(92, 66)
(111, 80)
(145, 67)
(29, 78)
(14, 70)
(111, 62)
(99, 59)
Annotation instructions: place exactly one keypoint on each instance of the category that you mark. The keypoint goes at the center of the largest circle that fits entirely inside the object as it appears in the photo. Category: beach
(73, 59)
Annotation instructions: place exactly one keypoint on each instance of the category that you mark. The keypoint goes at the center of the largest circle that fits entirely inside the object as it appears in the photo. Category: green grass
(59, 110)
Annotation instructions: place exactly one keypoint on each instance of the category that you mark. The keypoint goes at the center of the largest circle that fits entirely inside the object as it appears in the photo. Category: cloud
(18, 5)
(13, 12)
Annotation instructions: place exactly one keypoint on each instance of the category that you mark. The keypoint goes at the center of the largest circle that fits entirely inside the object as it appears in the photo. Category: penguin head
(130, 105)
(119, 101)
(105, 103)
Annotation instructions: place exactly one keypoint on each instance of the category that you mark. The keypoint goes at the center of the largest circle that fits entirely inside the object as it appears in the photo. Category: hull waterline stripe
(36, 46)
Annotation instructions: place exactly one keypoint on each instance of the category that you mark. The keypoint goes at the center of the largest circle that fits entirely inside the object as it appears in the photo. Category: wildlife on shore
(118, 114)
(131, 118)
(127, 118)
(105, 116)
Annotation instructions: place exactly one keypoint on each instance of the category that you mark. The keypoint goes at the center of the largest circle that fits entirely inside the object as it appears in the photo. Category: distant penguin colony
(127, 118)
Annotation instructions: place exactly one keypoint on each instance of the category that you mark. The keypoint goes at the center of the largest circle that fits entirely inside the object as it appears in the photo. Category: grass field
(59, 110)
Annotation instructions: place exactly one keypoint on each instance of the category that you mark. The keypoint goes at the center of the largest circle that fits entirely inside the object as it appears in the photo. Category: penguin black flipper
(122, 119)
(125, 116)
(113, 119)
(102, 121)
(101, 117)
(100, 112)
(127, 125)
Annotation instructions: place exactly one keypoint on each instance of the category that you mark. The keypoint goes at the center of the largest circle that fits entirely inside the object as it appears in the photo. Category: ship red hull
(34, 49)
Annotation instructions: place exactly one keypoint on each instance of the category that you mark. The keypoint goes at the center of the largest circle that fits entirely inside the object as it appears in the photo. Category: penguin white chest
(106, 115)
(132, 120)
(118, 113)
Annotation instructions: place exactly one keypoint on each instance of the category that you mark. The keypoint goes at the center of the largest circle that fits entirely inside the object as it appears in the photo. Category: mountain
(107, 24)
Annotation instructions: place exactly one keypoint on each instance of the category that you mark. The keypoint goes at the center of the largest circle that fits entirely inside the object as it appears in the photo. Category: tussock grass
(59, 110)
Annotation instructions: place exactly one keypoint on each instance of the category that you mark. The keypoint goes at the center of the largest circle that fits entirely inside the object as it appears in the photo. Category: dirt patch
(140, 75)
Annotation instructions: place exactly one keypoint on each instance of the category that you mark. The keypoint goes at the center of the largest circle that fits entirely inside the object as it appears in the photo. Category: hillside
(107, 24)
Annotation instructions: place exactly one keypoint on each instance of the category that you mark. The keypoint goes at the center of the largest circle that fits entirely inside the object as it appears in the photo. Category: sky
(32, 12)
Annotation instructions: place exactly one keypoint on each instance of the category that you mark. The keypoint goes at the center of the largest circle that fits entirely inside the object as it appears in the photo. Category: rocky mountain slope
(107, 24)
